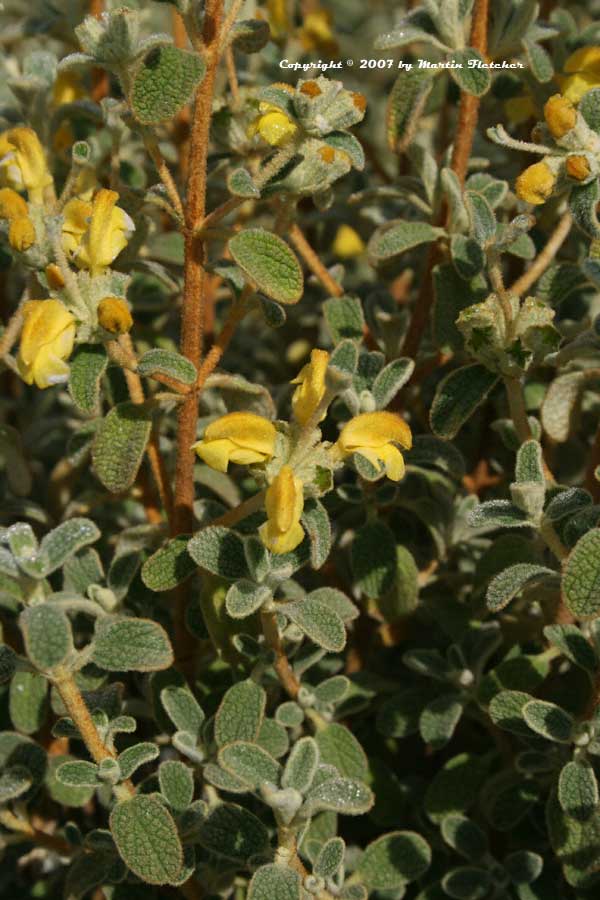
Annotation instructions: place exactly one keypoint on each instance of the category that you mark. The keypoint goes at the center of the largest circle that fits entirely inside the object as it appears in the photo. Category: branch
(314, 263)
(545, 257)
(282, 666)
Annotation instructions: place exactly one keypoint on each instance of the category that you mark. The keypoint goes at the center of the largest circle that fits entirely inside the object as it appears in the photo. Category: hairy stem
(165, 174)
(282, 666)
(35, 835)
(545, 257)
(314, 263)
(516, 405)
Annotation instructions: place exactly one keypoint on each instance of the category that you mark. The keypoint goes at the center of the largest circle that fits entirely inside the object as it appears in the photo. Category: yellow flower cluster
(46, 342)
(94, 233)
(249, 439)
(273, 125)
(21, 230)
(23, 164)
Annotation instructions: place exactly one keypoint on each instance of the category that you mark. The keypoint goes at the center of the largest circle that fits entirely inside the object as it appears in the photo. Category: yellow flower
(279, 21)
(284, 503)
(23, 163)
(237, 437)
(46, 342)
(578, 167)
(311, 386)
(67, 88)
(114, 315)
(560, 115)
(582, 70)
(94, 233)
(316, 32)
(347, 243)
(536, 183)
(12, 205)
(21, 233)
(273, 125)
(374, 436)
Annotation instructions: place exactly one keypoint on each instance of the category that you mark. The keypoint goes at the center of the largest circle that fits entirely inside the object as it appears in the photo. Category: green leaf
(47, 634)
(78, 773)
(457, 397)
(234, 833)
(403, 597)
(505, 586)
(318, 527)
(269, 263)
(405, 105)
(399, 715)
(389, 381)
(456, 786)
(135, 756)
(393, 860)
(398, 236)
(583, 203)
(275, 882)
(273, 738)
(338, 747)
(66, 795)
(467, 883)
(176, 783)
(163, 83)
(581, 577)
(330, 859)
(343, 795)
(318, 621)
(506, 711)
(27, 701)
(65, 540)
(567, 503)
(574, 645)
(167, 362)
(440, 718)
(301, 765)
(14, 782)
(250, 763)
(561, 405)
(374, 559)
(245, 597)
(497, 514)
(332, 690)
(469, 77)
(589, 107)
(147, 840)
(119, 445)
(86, 367)
(183, 709)
(578, 790)
(549, 720)
(240, 184)
(464, 836)
(529, 466)
(539, 61)
(128, 644)
(575, 844)
(345, 321)
(240, 714)
(220, 551)
(523, 866)
(169, 566)
(481, 216)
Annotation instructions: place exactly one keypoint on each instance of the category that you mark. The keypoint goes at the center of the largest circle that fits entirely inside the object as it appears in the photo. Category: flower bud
(536, 183)
(21, 233)
(560, 115)
(54, 277)
(12, 205)
(578, 167)
(114, 315)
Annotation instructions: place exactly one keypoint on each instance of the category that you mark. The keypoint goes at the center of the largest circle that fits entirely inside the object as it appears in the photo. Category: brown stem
(11, 332)
(232, 76)
(241, 511)
(468, 113)
(545, 257)
(211, 360)
(165, 174)
(516, 405)
(75, 704)
(35, 835)
(282, 666)
(314, 263)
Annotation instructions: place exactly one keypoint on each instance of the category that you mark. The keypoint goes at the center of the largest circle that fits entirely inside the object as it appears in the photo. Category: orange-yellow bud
(560, 115)
(536, 183)
(12, 205)
(578, 167)
(21, 233)
(55, 277)
(114, 315)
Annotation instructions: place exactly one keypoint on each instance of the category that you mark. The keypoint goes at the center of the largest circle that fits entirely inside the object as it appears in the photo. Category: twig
(71, 696)
(516, 405)
(314, 263)
(468, 113)
(282, 666)
(11, 332)
(211, 360)
(35, 835)
(165, 174)
(233, 79)
(229, 22)
(545, 257)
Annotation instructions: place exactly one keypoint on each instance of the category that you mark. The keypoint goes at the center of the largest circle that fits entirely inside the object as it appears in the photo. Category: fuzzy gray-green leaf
(119, 445)
(393, 860)
(578, 790)
(250, 763)
(398, 236)
(164, 82)
(86, 367)
(219, 550)
(581, 578)
(176, 783)
(457, 397)
(240, 714)
(275, 882)
(130, 644)
(269, 263)
(169, 566)
(147, 840)
(47, 634)
(318, 621)
(167, 362)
